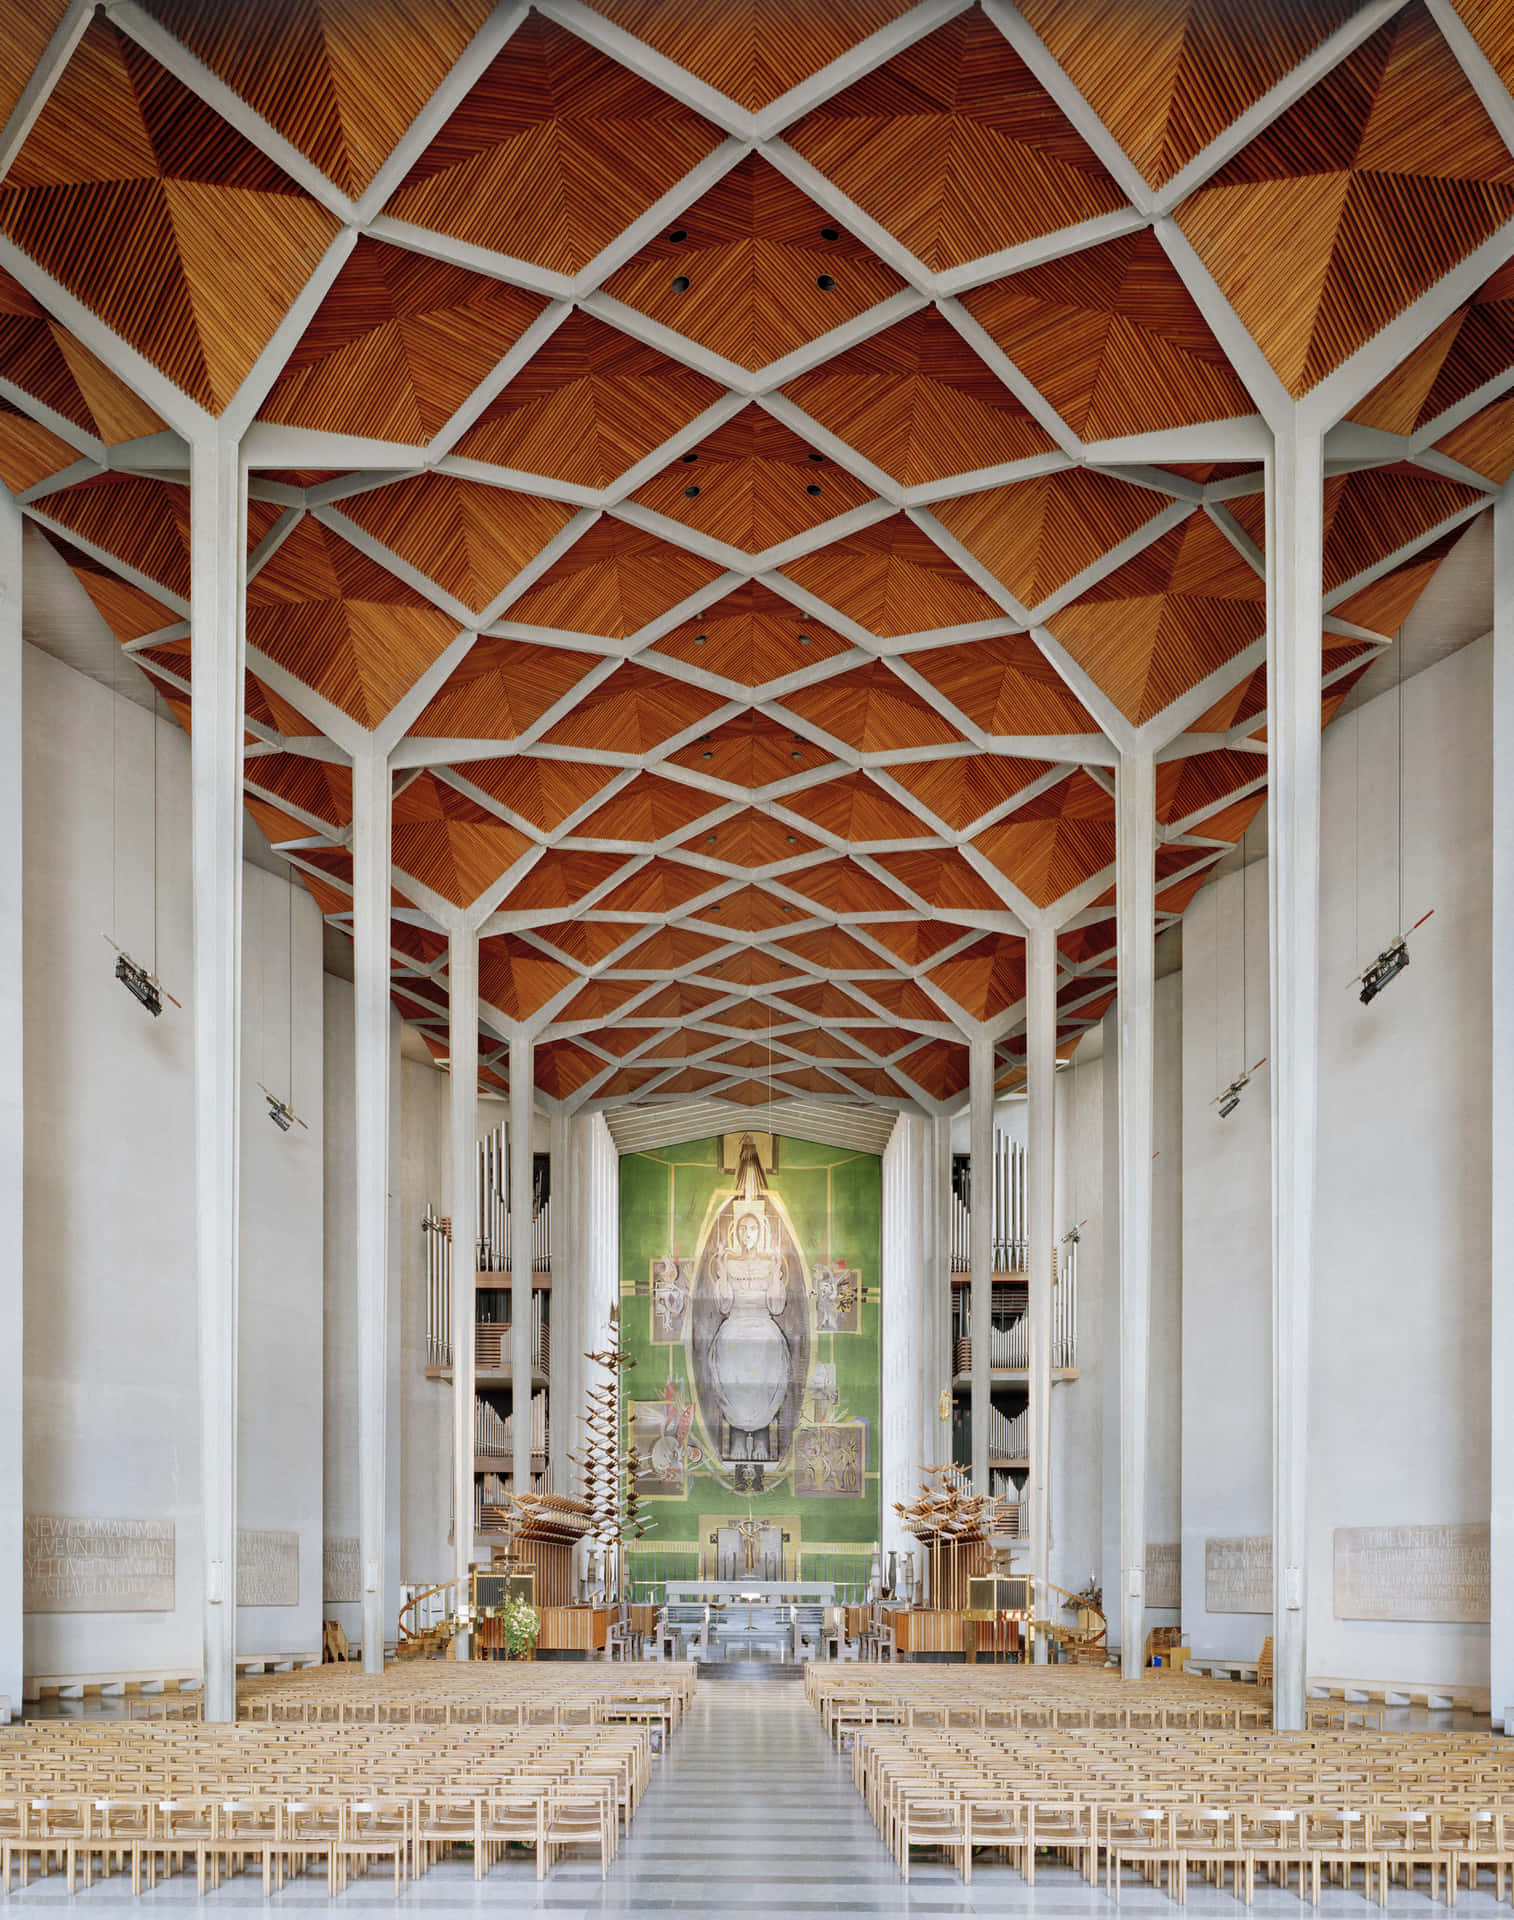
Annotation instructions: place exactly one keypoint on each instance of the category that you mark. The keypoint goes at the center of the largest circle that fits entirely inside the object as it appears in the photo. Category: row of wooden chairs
(218, 1836)
(1167, 1807)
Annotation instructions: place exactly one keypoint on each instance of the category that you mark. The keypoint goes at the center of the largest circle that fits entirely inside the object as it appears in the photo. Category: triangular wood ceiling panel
(842, 886)
(1035, 535)
(961, 790)
(589, 404)
(471, 540)
(1168, 78)
(28, 451)
(749, 968)
(1005, 685)
(1471, 347)
(1485, 443)
(599, 999)
(397, 346)
(753, 909)
(634, 711)
(939, 1068)
(1374, 185)
(560, 880)
(1166, 619)
(752, 636)
(145, 205)
(944, 881)
(555, 150)
(341, 80)
(834, 948)
(955, 147)
(449, 842)
(348, 628)
(749, 839)
(752, 751)
(544, 792)
(915, 941)
(1112, 338)
(612, 581)
(516, 978)
(893, 579)
(985, 978)
(919, 403)
(659, 887)
(320, 787)
(499, 688)
(752, 484)
(48, 363)
(647, 810)
(1055, 841)
(856, 808)
(561, 1068)
(753, 270)
(587, 941)
(751, 50)
(872, 710)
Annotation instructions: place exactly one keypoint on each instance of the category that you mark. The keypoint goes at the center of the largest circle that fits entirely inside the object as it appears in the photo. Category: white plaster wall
(279, 1340)
(1227, 1311)
(340, 1452)
(1077, 1407)
(1400, 1379)
(111, 1414)
(1164, 1411)
(12, 1110)
(426, 1405)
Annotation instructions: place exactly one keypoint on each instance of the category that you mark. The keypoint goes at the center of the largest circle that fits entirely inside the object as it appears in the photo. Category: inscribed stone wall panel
(76, 1565)
(1412, 1573)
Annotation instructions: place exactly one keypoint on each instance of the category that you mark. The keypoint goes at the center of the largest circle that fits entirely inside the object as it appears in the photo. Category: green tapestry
(749, 1276)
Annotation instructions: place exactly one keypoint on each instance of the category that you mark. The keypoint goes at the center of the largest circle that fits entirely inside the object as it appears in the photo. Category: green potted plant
(520, 1625)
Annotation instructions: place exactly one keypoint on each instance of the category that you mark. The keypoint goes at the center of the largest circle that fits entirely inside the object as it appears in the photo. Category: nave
(751, 1812)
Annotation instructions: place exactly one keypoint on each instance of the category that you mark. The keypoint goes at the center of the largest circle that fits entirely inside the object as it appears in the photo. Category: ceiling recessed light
(818, 458)
(689, 459)
(709, 839)
(812, 490)
(793, 842)
(678, 235)
(804, 639)
(700, 638)
(681, 283)
(826, 283)
(830, 233)
(710, 756)
(796, 755)
(691, 493)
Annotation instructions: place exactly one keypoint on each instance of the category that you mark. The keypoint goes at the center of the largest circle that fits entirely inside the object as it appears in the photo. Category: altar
(733, 1620)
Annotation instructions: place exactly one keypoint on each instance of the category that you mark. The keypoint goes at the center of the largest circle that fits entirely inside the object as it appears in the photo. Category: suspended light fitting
(141, 984)
(1230, 1097)
(1388, 965)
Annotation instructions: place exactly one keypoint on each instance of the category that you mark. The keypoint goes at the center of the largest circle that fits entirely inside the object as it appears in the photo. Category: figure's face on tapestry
(748, 1233)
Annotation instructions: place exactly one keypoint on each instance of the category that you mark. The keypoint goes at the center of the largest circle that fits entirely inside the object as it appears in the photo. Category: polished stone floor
(750, 1816)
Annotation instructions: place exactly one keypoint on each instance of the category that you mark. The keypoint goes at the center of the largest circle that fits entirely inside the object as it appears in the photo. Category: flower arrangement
(520, 1625)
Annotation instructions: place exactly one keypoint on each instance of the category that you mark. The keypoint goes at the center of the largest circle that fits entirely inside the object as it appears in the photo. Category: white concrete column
(1295, 536)
(218, 521)
(907, 1346)
(370, 926)
(12, 1112)
(1135, 893)
(1041, 1170)
(1501, 1064)
(563, 1308)
(462, 1052)
(937, 1439)
(522, 1106)
(981, 1147)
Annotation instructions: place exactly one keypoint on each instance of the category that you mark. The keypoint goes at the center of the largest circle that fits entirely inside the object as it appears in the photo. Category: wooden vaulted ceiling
(764, 458)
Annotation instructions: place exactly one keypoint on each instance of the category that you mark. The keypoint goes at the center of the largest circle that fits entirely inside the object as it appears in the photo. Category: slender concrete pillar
(1501, 1428)
(522, 1105)
(218, 519)
(981, 1113)
(370, 925)
(563, 1305)
(907, 1347)
(1135, 891)
(1041, 1092)
(12, 1112)
(1295, 562)
(462, 1050)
